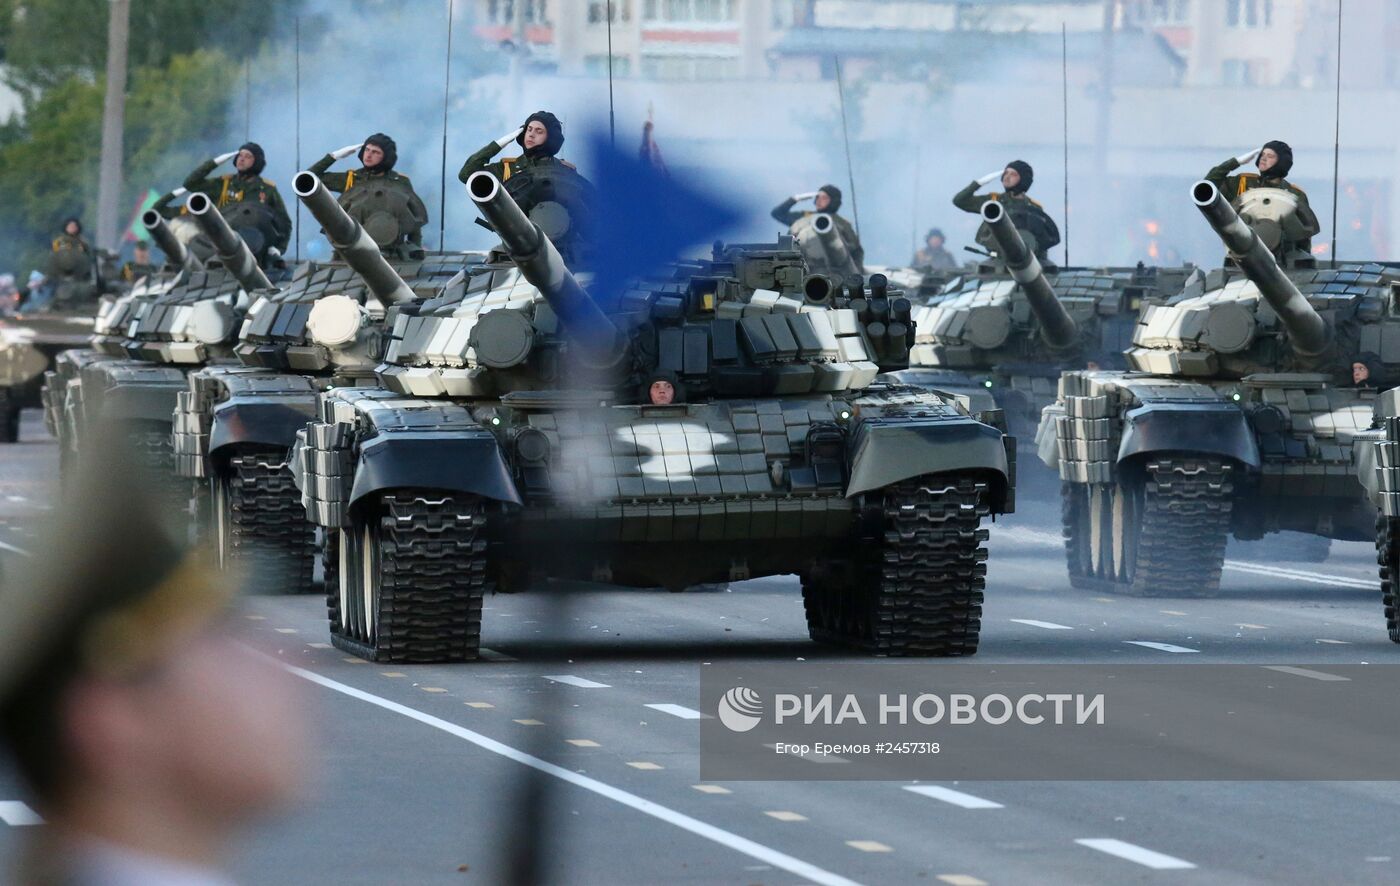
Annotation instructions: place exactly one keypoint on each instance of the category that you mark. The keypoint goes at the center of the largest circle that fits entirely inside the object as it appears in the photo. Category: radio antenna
(296, 54)
(1064, 115)
(846, 137)
(1337, 135)
(446, 97)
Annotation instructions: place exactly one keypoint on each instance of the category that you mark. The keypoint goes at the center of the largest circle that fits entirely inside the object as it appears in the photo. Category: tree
(176, 116)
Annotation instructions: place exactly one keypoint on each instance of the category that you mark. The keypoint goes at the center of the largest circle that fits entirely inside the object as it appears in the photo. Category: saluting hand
(509, 137)
(1248, 156)
(224, 158)
(989, 178)
(342, 153)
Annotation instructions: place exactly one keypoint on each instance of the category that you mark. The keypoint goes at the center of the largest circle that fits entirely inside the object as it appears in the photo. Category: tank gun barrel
(1056, 324)
(1308, 331)
(540, 263)
(177, 255)
(838, 257)
(351, 240)
(231, 249)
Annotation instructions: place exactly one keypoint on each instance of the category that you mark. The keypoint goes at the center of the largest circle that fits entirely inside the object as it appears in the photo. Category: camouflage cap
(110, 587)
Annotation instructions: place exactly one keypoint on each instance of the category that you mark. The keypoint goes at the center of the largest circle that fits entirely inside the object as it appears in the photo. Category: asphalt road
(594, 691)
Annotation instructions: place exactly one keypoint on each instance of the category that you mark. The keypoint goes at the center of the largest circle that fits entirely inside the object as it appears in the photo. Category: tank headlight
(987, 383)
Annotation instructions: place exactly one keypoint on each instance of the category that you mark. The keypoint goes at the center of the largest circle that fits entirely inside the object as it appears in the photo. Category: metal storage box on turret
(719, 423)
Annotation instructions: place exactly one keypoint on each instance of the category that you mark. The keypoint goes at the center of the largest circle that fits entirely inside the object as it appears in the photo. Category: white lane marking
(728, 839)
(18, 498)
(1301, 575)
(493, 655)
(1145, 857)
(1334, 642)
(676, 710)
(17, 814)
(948, 795)
(14, 550)
(1309, 673)
(1048, 625)
(1163, 647)
(571, 680)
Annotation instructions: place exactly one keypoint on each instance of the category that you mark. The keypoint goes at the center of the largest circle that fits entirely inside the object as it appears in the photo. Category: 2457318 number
(907, 748)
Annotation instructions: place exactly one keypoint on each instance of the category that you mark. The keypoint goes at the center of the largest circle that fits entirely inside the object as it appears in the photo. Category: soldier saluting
(1274, 161)
(1029, 217)
(245, 185)
(538, 177)
(375, 195)
(826, 199)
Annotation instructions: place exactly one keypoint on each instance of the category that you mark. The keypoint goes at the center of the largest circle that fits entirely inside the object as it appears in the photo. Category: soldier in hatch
(375, 195)
(826, 199)
(245, 185)
(1029, 217)
(72, 272)
(1274, 161)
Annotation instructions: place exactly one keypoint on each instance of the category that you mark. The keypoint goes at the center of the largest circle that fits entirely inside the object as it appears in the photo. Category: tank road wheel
(9, 416)
(412, 579)
(1388, 556)
(1160, 532)
(259, 523)
(917, 589)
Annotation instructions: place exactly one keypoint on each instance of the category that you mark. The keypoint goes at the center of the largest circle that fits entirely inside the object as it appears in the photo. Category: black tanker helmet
(259, 158)
(1027, 174)
(554, 140)
(1285, 160)
(834, 194)
(385, 144)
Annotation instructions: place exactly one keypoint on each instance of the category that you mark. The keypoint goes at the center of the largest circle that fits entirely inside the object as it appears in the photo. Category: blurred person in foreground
(146, 735)
(1030, 218)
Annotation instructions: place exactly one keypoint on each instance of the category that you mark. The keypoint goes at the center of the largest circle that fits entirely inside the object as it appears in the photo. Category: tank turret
(1308, 331)
(1056, 325)
(177, 255)
(232, 251)
(360, 250)
(539, 261)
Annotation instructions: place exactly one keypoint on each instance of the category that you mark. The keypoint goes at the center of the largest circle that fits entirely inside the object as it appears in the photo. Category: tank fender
(887, 450)
(467, 461)
(1202, 427)
(266, 421)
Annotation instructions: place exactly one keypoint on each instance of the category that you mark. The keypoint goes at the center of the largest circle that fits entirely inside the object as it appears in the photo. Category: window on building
(502, 12)
(1249, 13)
(684, 67)
(689, 10)
(1168, 12)
(598, 11)
(597, 65)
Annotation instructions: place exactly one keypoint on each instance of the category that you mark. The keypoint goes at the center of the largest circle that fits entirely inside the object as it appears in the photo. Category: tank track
(918, 591)
(433, 579)
(268, 533)
(1181, 538)
(9, 416)
(1388, 557)
(330, 576)
(155, 453)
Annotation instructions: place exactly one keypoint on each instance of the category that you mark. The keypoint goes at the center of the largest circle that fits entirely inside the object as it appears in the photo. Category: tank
(1002, 332)
(1237, 416)
(235, 423)
(719, 422)
(144, 346)
(29, 345)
